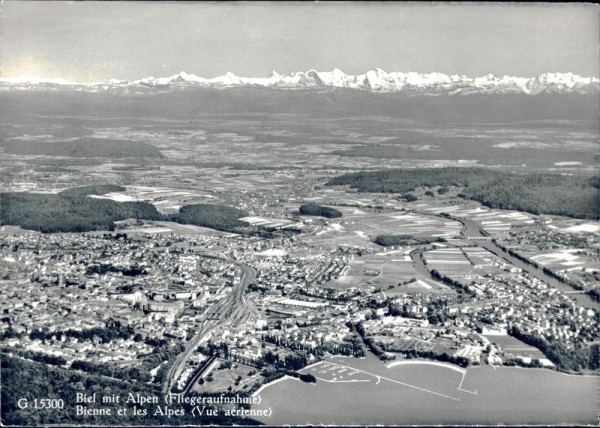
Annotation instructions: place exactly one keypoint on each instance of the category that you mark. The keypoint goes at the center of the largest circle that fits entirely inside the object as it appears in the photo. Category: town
(208, 311)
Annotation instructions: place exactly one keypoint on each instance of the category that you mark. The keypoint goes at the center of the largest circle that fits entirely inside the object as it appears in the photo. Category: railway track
(234, 310)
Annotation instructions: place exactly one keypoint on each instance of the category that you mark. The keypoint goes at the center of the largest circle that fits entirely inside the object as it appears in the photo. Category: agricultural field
(564, 260)
(568, 225)
(166, 200)
(493, 221)
(273, 223)
(393, 272)
(359, 226)
(457, 262)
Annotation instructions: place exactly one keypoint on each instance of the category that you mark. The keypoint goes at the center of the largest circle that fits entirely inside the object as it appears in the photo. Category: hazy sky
(96, 41)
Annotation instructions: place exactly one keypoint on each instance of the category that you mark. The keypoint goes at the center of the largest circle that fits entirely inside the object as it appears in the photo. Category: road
(233, 310)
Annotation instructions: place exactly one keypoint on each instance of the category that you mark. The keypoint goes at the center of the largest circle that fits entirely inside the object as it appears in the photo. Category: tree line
(319, 210)
(574, 358)
(404, 240)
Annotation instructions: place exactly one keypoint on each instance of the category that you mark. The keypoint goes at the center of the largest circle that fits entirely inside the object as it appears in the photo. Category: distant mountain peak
(375, 80)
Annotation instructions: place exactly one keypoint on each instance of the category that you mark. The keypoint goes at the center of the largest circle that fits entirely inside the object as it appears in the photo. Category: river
(472, 229)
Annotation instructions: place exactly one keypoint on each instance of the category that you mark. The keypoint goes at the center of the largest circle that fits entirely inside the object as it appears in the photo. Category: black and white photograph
(299, 213)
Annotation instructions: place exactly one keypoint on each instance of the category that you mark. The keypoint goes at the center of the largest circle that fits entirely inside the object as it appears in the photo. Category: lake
(353, 391)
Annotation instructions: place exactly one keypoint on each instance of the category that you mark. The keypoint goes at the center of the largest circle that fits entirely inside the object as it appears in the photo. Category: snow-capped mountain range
(375, 80)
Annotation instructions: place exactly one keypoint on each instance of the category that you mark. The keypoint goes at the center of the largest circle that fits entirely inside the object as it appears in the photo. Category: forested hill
(51, 213)
(535, 193)
(74, 211)
(218, 217)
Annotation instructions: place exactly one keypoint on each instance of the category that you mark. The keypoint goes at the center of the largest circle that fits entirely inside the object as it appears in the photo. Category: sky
(97, 41)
